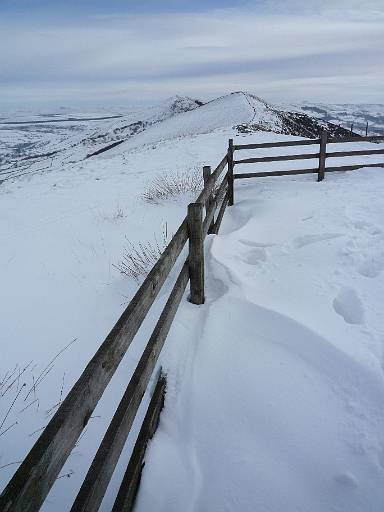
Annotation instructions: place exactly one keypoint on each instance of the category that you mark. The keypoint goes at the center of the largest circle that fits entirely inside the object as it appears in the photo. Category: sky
(120, 52)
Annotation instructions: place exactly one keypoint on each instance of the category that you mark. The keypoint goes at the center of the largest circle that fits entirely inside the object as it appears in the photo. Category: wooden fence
(31, 483)
(321, 155)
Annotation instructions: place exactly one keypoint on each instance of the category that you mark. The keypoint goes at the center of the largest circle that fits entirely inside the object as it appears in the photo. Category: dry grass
(19, 388)
(116, 215)
(138, 259)
(172, 184)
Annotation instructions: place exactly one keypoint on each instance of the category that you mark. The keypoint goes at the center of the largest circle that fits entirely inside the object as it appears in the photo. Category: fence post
(209, 202)
(322, 155)
(196, 252)
(366, 129)
(230, 173)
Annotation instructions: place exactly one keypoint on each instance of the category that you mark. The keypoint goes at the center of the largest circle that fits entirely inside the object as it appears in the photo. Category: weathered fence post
(322, 154)
(366, 129)
(130, 484)
(230, 173)
(196, 252)
(209, 202)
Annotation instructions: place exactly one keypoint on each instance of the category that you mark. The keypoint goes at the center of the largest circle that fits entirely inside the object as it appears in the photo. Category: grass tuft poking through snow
(172, 184)
(116, 215)
(138, 259)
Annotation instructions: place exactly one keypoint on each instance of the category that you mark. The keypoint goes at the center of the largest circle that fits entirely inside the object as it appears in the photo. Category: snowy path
(276, 388)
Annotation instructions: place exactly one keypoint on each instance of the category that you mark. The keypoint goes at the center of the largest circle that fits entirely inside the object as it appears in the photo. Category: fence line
(321, 155)
(32, 481)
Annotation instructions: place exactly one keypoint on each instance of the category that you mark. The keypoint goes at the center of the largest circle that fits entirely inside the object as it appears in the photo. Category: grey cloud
(191, 53)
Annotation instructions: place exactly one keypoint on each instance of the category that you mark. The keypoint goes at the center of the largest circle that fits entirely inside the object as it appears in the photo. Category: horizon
(115, 108)
(126, 53)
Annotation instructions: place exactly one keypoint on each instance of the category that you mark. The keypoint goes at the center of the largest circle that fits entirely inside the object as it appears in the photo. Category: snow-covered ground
(278, 373)
(32, 143)
(275, 394)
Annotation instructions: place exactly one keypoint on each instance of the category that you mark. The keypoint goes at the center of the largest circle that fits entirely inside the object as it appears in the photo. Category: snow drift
(276, 384)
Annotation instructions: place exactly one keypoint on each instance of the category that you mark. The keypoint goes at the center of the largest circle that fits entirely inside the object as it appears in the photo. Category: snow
(223, 112)
(277, 378)
(275, 396)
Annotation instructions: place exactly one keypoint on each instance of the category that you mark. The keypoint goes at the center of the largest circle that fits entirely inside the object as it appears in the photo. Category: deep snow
(281, 369)
(276, 384)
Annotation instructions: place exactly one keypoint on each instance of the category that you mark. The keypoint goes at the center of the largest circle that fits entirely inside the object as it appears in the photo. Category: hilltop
(41, 141)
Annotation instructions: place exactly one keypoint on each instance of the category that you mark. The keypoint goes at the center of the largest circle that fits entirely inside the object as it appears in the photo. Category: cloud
(119, 58)
(345, 9)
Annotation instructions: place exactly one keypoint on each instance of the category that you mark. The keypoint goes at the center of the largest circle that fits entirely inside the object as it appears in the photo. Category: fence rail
(357, 138)
(34, 478)
(281, 158)
(282, 144)
(36, 475)
(321, 155)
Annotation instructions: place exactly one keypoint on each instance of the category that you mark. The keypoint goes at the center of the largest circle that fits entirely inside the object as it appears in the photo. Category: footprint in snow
(249, 243)
(348, 305)
(255, 256)
(372, 266)
(362, 225)
(346, 480)
(302, 241)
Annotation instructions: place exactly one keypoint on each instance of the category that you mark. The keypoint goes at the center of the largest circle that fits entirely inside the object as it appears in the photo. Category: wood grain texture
(129, 486)
(99, 474)
(34, 478)
(196, 252)
(210, 185)
(220, 215)
(275, 173)
(370, 138)
(322, 155)
(209, 201)
(282, 144)
(230, 178)
(215, 204)
(277, 158)
(356, 153)
(353, 167)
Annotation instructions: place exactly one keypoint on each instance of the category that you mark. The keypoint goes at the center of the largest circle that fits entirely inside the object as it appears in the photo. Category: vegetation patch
(170, 185)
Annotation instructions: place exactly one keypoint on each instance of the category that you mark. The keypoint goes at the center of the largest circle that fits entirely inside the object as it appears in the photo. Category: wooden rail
(356, 153)
(29, 486)
(358, 138)
(130, 483)
(306, 156)
(310, 142)
(321, 156)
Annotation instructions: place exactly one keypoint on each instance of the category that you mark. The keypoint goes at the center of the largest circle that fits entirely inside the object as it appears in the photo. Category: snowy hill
(304, 295)
(244, 111)
(38, 142)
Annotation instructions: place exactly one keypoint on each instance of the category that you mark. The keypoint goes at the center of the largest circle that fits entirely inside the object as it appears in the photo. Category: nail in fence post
(322, 155)
(196, 252)
(230, 173)
(206, 175)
